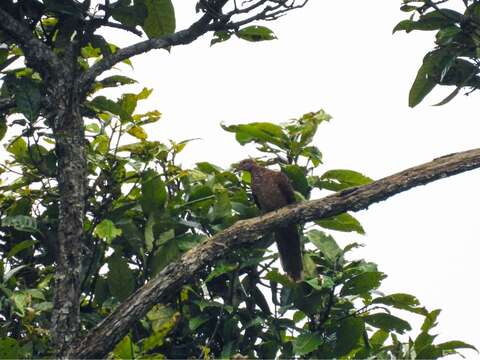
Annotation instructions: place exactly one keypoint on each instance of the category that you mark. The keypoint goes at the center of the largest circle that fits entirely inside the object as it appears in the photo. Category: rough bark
(71, 176)
(63, 115)
(100, 340)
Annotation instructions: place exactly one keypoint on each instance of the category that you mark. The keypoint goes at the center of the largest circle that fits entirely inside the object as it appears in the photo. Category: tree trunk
(68, 131)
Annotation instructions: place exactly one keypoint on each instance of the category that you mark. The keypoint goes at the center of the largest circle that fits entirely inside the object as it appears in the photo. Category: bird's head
(246, 165)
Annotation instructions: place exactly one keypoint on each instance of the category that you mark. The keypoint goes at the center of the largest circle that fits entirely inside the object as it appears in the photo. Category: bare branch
(266, 10)
(112, 329)
(38, 55)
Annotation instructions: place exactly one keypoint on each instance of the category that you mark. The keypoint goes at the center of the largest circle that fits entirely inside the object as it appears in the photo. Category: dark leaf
(28, 98)
(387, 322)
(363, 283)
(297, 177)
(348, 335)
(306, 343)
(154, 193)
(326, 244)
(435, 66)
(121, 280)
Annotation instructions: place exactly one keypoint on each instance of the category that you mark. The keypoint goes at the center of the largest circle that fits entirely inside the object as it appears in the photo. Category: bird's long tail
(289, 248)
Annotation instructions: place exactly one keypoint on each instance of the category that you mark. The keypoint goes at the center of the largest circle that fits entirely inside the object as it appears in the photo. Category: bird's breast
(268, 194)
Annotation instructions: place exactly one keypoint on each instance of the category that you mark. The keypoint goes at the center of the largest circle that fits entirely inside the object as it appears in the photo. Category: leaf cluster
(144, 210)
(454, 61)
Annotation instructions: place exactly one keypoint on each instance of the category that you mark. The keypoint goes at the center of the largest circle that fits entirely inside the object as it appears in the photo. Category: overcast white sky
(342, 56)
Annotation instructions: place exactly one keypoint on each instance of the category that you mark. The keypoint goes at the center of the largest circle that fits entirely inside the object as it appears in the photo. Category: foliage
(454, 61)
(145, 211)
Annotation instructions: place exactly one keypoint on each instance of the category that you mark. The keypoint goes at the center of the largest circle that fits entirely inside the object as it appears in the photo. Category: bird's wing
(286, 188)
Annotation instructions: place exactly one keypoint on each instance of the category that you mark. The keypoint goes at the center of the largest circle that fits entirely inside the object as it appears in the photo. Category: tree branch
(112, 329)
(182, 37)
(38, 55)
(212, 20)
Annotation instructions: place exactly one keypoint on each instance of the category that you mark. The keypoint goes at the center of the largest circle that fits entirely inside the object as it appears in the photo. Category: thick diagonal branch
(106, 334)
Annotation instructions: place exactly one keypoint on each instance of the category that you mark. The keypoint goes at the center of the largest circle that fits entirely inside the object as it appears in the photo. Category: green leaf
(430, 320)
(4, 53)
(401, 301)
(128, 103)
(198, 321)
(209, 168)
(20, 300)
(256, 33)
(154, 193)
(3, 127)
(10, 349)
(25, 244)
(431, 21)
(164, 256)
(138, 132)
(306, 343)
(378, 338)
(276, 277)
(124, 349)
(388, 322)
(21, 223)
(220, 36)
(101, 103)
(348, 335)
(120, 279)
(8, 275)
(107, 230)
(429, 352)
(343, 222)
(435, 64)
(299, 181)
(446, 35)
(314, 154)
(95, 128)
(259, 132)
(362, 283)
(116, 80)
(18, 147)
(219, 270)
(160, 18)
(100, 144)
(222, 208)
(129, 15)
(28, 98)
(298, 316)
(341, 179)
(189, 241)
(455, 344)
(326, 244)
(423, 339)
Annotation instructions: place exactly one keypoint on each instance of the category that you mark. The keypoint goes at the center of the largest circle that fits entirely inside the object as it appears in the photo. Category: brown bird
(273, 190)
